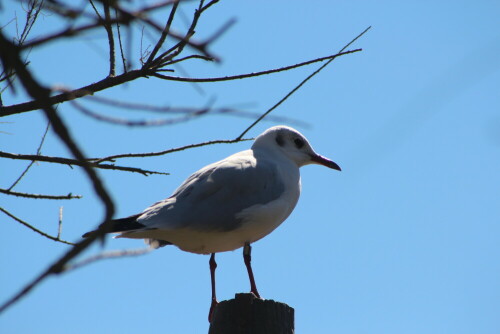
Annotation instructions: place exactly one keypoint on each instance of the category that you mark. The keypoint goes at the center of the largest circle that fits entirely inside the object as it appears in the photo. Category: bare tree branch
(59, 225)
(103, 84)
(120, 43)
(38, 152)
(134, 74)
(302, 83)
(190, 110)
(111, 39)
(130, 123)
(39, 196)
(164, 34)
(12, 60)
(73, 162)
(152, 154)
(71, 32)
(253, 74)
(34, 228)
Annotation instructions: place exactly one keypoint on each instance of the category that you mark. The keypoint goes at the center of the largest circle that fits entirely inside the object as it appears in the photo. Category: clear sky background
(404, 240)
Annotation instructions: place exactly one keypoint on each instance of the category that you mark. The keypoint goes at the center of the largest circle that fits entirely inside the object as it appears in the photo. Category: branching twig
(35, 229)
(164, 35)
(135, 74)
(73, 162)
(70, 32)
(127, 122)
(120, 43)
(38, 152)
(153, 154)
(302, 83)
(253, 74)
(111, 39)
(12, 60)
(170, 54)
(39, 196)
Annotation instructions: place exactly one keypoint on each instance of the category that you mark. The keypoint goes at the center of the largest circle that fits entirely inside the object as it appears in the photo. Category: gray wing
(210, 199)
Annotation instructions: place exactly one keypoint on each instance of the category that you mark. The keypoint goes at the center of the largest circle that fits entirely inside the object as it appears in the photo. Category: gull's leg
(247, 256)
(214, 303)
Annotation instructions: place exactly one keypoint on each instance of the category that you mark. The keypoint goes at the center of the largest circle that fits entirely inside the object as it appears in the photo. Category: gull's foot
(256, 294)
(212, 309)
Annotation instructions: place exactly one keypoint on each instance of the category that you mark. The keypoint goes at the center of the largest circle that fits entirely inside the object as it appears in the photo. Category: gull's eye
(299, 143)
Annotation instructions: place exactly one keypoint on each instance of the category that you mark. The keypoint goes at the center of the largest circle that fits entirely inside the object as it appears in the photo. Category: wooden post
(246, 314)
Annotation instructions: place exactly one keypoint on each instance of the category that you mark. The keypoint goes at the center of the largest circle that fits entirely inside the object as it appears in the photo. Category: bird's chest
(292, 191)
(266, 217)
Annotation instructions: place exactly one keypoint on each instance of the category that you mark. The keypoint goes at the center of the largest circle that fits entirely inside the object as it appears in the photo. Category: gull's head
(293, 145)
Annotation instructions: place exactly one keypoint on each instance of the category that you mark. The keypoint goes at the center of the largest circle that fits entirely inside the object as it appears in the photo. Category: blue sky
(404, 240)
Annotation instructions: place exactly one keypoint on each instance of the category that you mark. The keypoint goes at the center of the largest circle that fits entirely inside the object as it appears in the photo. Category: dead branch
(35, 229)
(39, 196)
(71, 32)
(254, 74)
(172, 150)
(144, 72)
(74, 162)
(302, 83)
(189, 110)
(12, 60)
(130, 123)
(164, 34)
(38, 152)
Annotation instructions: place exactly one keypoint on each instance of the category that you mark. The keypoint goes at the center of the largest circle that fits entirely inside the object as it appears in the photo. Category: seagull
(229, 204)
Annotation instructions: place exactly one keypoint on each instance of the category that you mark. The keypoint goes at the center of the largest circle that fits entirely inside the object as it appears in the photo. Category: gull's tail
(121, 225)
(130, 224)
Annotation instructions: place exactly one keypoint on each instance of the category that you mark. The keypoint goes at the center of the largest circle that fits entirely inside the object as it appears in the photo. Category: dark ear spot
(279, 140)
(299, 143)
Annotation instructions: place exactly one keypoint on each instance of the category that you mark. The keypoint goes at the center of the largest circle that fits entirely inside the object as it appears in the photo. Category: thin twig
(253, 74)
(111, 39)
(220, 32)
(153, 154)
(189, 110)
(163, 35)
(103, 84)
(69, 32)
(130, 123)
(12, 59)
(35, 229)
(39, 196)
(109, 82)
(107, 255)
(160, 60)
(73, 162)
(159, 5)
(181, 60)
(120, 43)
(38, 152)
(301, 84)
(59, 225)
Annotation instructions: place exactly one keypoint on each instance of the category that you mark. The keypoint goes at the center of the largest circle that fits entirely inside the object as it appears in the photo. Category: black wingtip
(120, 225)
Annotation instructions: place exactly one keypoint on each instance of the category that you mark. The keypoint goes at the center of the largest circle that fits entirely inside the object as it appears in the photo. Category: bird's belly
(258, 221)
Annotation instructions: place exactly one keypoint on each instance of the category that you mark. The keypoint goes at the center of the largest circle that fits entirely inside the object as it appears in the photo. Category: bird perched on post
(231, 203)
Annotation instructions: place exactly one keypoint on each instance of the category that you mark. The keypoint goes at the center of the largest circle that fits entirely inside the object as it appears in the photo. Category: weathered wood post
(246, 314)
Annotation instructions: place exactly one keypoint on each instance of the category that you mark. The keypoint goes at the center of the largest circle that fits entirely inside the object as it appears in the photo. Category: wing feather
(210, 199)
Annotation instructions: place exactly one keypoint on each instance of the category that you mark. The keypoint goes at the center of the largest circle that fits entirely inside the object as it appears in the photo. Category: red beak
(325, 162)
